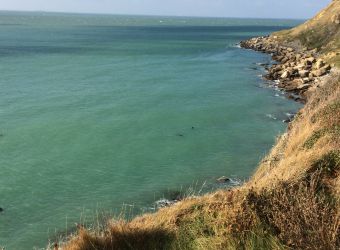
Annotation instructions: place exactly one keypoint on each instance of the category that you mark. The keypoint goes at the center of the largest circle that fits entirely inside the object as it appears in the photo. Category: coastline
(297, 69)
(292, 199)
(305, 71)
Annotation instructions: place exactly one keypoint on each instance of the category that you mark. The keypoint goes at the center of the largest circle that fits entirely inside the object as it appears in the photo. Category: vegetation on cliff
(291, 201)
(321, 33)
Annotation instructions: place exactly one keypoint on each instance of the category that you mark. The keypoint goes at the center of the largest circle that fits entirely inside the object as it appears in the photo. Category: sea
(105, 115)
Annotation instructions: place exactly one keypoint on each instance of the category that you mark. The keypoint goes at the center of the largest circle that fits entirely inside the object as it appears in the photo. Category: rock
(284, 60)
(303, 73)
(306, 80)
(327, 67)
(290, 118)
(293, 85)
(298, 56)
(316, 50)
(276, 75)
(294, 97)
(319, 72)
(300, 66)
(223, 179)
(278, 58)
(310, 60)
(290, 49)
(174, 195)
(276, 69)
(286, 74)
(319, 64)
(164, 203)
(303, 86)
(262, 64)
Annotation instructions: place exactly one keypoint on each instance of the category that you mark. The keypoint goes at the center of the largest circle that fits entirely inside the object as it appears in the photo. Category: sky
(300, 9)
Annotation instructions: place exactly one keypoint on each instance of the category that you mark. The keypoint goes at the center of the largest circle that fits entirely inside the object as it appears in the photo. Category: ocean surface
(98, 111)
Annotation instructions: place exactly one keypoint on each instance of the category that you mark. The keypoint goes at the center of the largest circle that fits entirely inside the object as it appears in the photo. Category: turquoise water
(97, 111)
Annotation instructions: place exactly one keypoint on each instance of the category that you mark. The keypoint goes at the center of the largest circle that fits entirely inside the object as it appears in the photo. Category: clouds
(225, 8)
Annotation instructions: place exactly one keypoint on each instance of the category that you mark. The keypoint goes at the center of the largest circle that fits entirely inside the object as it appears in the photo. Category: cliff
(292, 200)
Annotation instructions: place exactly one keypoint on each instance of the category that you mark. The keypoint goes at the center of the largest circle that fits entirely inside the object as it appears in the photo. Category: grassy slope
(292, 200)
(321, 32)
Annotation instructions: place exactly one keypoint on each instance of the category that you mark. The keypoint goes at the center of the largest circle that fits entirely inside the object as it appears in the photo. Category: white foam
(271, 116)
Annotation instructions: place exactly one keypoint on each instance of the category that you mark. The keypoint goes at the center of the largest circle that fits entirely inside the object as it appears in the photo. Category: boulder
(164, 203)
(310, 60)
(285, 74)
(285, 59)
(276, 68)
(327, 67)
(319, 72)
(300, 66)
(293, 85)
(303, 86)
(223, 179)
(306, 80)
(319, 64)
(303, 73)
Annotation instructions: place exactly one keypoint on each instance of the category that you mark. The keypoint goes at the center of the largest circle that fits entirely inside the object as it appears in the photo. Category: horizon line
(146, 15)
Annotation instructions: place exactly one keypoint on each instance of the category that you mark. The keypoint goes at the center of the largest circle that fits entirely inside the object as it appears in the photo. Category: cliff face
(291, 201)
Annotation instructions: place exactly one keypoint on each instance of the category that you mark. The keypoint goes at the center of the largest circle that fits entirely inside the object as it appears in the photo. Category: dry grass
(313, 133)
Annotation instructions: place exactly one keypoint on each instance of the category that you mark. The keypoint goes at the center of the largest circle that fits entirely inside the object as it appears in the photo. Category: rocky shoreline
(297, 69)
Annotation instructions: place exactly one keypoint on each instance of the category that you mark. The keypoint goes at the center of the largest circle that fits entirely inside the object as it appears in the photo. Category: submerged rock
(165, 203)
(223, 179)
(1, 210)
(290, 118)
